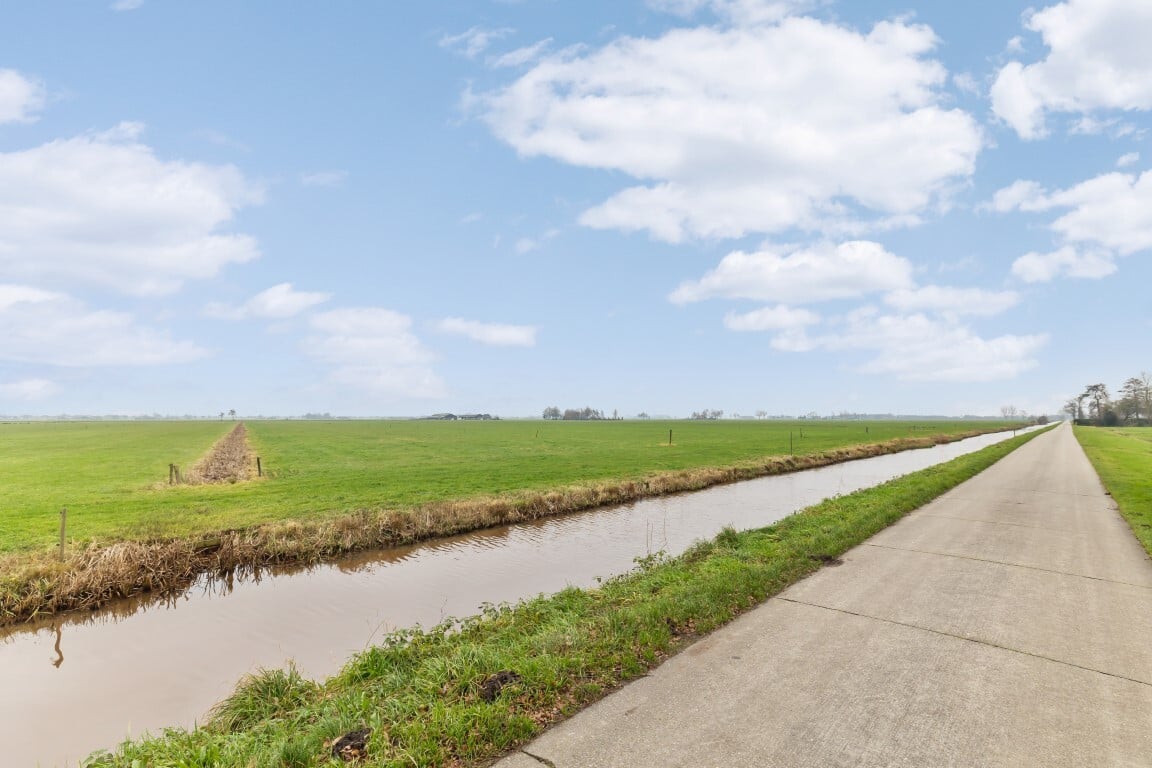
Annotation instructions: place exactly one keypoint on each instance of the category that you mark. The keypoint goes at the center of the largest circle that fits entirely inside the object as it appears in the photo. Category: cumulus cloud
(20, 97)
(1068, 261)
(30, 390)
(473, 42)
(952, 301)
(278, 302)
(1127, 159)
(1106, 217)
(778, 318)
(103, 209)
(494, 334)
(920, 348)
(757, 127)
(373, 349)
(1098, 59)
(38, 326)
(818, 273)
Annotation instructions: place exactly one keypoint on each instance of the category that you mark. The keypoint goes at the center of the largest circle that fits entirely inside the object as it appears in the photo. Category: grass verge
(423, 693)
(37, 583)
(1123, 460)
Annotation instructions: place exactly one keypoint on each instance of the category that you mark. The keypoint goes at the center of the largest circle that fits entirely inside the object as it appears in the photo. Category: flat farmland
(112, 476)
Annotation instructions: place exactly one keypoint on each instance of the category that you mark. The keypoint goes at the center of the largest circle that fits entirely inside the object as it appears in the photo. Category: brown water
(84, 682)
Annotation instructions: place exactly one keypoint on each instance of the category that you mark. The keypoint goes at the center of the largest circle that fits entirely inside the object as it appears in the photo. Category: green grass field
(1123, 459)
(111, 475)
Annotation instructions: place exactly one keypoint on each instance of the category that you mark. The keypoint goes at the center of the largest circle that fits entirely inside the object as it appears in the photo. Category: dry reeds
(34, 585)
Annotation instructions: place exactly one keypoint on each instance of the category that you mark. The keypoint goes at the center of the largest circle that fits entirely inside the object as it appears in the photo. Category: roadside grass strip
(1123, 460)
(466, 691)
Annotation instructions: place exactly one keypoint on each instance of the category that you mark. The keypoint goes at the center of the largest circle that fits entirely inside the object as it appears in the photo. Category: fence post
(259, 469)
(63, 530)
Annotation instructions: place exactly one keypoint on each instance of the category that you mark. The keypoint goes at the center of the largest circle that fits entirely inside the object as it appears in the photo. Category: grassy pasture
(111, 476)
(1123, 459)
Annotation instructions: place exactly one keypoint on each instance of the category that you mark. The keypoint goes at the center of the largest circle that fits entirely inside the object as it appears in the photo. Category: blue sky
(400, 208)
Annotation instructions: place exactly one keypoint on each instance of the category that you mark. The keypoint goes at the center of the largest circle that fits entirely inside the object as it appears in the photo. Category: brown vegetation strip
(229, 461)
(32, 586)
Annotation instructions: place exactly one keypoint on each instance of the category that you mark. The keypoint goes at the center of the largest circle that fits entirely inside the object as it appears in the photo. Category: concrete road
(1008, 623)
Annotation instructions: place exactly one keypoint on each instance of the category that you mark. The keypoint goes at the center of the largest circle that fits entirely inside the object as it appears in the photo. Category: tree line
(1095, 405)
(552, 413)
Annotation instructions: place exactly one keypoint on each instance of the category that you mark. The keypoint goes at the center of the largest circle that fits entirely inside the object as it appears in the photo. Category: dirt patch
(229, 461)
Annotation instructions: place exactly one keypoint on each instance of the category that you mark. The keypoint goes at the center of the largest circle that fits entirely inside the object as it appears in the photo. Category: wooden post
(669, 437)
(259, 469)
(171, 474)
(63, 530)
(790, 451)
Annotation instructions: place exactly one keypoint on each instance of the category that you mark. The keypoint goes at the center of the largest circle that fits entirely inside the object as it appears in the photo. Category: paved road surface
(1008, 623)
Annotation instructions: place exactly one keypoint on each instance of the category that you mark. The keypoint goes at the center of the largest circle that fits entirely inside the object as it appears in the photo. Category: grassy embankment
(1123, 459)
(335, 487)
(420, 691)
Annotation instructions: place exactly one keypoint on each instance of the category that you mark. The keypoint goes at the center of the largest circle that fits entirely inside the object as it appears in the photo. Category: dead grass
(230, 460)
(37, 584)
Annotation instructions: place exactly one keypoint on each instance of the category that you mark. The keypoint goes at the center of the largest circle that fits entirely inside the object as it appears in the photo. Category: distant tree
(221, 415)
(761, 414)
(551, 412)
(1098, 401)
(643, 415)
(1008, 411)
(1072, 408)
(232, 414)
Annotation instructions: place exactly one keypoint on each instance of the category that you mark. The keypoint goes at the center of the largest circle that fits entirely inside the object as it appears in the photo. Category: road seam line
(1007, 565)
(966, 639)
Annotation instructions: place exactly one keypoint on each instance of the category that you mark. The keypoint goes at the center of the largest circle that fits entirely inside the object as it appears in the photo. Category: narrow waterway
(87, 681)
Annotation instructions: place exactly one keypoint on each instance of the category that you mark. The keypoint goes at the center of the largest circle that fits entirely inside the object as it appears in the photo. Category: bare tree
(232, 414)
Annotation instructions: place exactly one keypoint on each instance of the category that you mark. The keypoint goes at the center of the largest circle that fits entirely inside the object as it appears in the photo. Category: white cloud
(952, 301)
(495, 334)
(521, 56)
(103, 209)
(30, 390)
(736, 11)
(278, 302)
(526, 245)
(920, 348)
(323, 178)
(756, 128)
(778, 318)
(39, 326)
(474, 41)
(1106, 217)
(127, 5)
(819, 273)
(374, 349)
(1098, 59)
(1125, 160)
(1068, 261)
(20, 97)
(1019, 195)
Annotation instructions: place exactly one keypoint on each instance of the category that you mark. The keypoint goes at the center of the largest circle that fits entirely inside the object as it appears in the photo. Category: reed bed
(34, 585)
